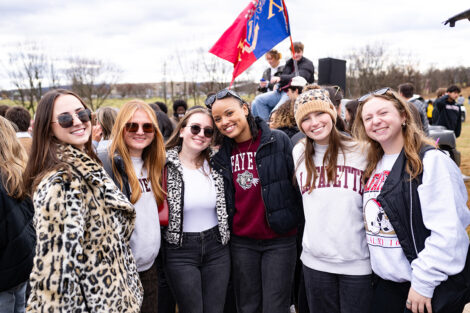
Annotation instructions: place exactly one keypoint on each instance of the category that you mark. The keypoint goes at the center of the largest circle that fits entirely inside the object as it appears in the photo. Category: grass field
(463, 145)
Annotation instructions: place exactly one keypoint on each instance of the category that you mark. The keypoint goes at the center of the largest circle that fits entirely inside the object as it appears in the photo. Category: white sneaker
(292, 309)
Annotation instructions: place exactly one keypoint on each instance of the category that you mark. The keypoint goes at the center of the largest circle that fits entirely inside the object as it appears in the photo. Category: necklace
(249, 146)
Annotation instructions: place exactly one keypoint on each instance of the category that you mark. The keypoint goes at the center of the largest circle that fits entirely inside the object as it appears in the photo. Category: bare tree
(28, 68)
(216, 72)
(371, 67)
(92, 79)
(366, 69)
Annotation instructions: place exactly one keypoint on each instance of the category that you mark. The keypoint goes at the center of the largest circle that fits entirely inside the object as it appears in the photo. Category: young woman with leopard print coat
(83, 222)
(196, 255)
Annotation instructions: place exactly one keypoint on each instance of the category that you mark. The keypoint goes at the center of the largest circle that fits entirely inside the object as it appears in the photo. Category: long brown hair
(175, 139)
(413, 137)
(43, 157)
(153, 155)
(336, 143)
(12, 160)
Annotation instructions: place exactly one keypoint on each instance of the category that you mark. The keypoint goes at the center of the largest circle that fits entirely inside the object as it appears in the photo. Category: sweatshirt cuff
(422, 287)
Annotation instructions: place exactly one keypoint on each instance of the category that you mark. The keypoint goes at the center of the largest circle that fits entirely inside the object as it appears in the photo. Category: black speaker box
(332, 72)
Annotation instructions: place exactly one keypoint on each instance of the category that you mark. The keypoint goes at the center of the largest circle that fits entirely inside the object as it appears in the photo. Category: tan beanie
(313, 100)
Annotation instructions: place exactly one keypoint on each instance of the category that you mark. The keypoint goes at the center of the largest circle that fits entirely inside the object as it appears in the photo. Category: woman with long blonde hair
(83, 260)
(16, 230)
(135, 161)
(414, 210)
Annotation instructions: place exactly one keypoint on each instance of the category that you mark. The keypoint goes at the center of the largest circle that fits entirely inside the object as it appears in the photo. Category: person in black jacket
(415, 212)
(263, 204)
(263, 104)
(273, 57)
(448, 111)
(17, 237)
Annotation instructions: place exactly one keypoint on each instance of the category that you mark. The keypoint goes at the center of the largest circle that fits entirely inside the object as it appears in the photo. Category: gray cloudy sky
(139, 35)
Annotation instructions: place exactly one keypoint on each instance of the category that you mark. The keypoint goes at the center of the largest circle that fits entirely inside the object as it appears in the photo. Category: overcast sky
(139, 35)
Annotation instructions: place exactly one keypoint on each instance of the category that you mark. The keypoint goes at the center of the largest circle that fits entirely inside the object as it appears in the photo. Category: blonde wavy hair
(13, 160)
(413, 137)
(153, 155)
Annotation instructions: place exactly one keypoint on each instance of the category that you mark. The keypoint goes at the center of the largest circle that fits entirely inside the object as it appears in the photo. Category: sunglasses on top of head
(377, 92)
(224, 93)
(65, 120)
(196, 129)
(134, 127)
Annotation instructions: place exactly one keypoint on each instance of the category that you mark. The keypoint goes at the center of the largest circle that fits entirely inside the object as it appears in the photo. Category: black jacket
(448, 114)
(400, 200)
(305, 67)
(403, 207)
(17, 240)
(275, 167)
(267, 77)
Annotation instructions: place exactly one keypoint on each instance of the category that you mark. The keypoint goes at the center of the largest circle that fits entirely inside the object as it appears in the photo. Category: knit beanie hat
(313, 99)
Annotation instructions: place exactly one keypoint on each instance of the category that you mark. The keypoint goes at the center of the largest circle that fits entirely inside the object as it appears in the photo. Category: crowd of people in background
(277, 206)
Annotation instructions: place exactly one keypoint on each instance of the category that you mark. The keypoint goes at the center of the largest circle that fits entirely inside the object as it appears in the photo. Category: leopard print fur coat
(83, 260)
(175, 189)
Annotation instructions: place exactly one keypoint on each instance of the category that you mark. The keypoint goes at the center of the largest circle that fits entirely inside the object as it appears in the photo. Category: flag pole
(296, 69)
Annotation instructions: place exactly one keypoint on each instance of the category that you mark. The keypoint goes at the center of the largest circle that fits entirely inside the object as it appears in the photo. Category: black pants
(166, 300)
(389, 297)
(150, 284)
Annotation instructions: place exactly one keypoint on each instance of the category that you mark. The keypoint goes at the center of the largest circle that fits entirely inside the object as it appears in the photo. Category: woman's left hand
(416, 302)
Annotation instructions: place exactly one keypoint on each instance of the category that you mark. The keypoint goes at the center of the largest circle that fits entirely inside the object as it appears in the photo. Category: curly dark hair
(284, 116)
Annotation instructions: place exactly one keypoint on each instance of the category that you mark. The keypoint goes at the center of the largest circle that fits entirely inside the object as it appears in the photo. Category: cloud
(140, 35)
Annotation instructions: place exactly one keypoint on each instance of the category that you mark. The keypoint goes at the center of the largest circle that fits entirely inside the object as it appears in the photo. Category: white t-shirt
(199, 200)
(274, 70)
(145, 240)
(384, 247)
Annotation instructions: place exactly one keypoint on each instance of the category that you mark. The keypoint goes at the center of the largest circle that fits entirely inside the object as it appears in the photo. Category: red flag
(260, 26)
(231, 46)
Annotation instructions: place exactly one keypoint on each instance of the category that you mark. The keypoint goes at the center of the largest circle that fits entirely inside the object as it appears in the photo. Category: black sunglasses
(224, 93)
(196, 129)
(377, 92)
(134, 127)
(65, 120)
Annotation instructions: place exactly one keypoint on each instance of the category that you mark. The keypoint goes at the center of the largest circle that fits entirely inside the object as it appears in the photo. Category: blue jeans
(263, 273)
(264, 103)
(198, 272)
(335, 293)
(13, 300)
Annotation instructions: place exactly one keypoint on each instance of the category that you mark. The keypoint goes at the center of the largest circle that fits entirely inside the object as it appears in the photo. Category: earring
(403, 124)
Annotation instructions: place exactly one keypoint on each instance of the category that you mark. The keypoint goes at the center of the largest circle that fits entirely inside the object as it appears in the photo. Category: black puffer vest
(275, 167)
(400, 200)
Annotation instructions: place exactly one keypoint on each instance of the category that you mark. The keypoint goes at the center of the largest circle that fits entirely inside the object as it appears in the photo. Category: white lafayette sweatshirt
(334, 239)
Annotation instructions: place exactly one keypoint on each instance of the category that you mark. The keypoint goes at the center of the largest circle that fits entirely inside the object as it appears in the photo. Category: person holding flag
(270, 101)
